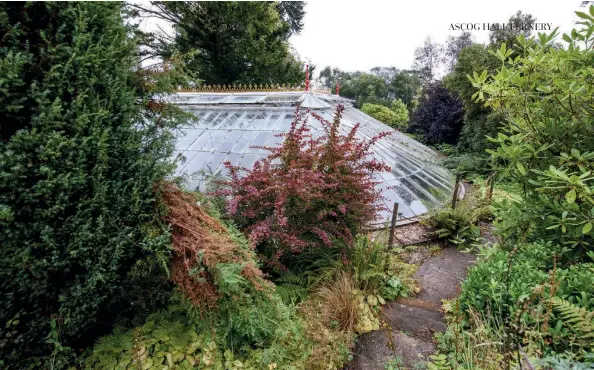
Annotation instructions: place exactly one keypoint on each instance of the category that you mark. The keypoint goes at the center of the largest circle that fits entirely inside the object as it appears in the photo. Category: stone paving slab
(439, 277)
(418, 322)
(375, 349)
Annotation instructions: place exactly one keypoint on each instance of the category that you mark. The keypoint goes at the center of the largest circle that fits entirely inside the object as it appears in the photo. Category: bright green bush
(172, 339)
(398, 119)
(479, 121)
(80, 155)
(401, 111)
(457, 225)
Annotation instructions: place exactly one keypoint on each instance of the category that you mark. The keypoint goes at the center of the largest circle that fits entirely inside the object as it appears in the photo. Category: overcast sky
(359, 35)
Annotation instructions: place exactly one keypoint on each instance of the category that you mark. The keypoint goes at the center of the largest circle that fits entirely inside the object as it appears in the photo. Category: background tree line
(441, 109)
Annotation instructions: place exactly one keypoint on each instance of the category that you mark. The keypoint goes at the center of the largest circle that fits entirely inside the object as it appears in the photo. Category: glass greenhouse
(227, 126)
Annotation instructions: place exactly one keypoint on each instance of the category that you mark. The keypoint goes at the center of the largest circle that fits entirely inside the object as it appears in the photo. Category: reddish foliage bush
(307, 192)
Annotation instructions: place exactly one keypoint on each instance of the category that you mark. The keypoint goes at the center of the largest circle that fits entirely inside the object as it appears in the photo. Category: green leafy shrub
(82, 146)
(397, 116)
(172, 339)
(518, 284)
(469, 165)
(401, 111)
(373, 268)
(535, 291)
(545, 95)
(579, 320)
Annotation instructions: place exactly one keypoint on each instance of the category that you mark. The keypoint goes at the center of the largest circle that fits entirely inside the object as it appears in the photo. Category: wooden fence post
(393, 225)
(491, 184)
(455, 196)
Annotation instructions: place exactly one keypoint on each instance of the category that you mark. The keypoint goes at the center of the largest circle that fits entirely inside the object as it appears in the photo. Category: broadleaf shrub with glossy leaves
(308, 193)
(546, 96)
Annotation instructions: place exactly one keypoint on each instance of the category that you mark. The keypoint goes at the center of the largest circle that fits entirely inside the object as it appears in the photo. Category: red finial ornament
(307, 77)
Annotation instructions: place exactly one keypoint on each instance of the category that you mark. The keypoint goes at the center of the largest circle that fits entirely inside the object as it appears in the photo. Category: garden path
(410, 322)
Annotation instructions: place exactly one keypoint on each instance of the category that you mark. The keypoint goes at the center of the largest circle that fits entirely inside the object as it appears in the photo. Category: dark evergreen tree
(83, 147)
(231, 42)
(439, 116)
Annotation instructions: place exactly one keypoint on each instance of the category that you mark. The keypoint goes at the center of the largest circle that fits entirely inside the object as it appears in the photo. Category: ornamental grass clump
(307, 193)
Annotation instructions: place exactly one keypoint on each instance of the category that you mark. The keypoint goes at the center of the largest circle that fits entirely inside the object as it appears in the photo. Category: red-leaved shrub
(307, 192)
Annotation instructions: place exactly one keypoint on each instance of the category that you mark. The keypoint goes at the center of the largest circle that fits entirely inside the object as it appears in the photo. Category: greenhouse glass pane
(231, 121)
(245, 99)
(259, 140)
(201, 141)
(212, 164)
(215, 121)
(271, 120)
(274, 140)
(186, 137)
(197, 162)
(204, 121)
(248, 160)
(284, 124)
(244, 142)
(229, 141)
(258, 122)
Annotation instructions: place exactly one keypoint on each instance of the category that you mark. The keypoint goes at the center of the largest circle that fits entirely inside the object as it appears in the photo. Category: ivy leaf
(570, 196)
(587, 228)
(521, 168)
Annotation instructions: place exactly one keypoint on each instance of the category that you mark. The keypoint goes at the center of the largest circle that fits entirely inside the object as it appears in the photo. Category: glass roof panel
(282, 98)
(231, 122)
(208, 99)
(271, 120)
(202, 140)
(259, 140)
(258, 120)
(197, 162)
(229, 130)
(214, 161)
(284, 124)
(244, 142)
(274, 140)
(229, 141)
(248, 160)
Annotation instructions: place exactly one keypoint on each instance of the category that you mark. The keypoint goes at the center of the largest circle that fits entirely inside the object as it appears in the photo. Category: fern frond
(578, 319)
(291, 293)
